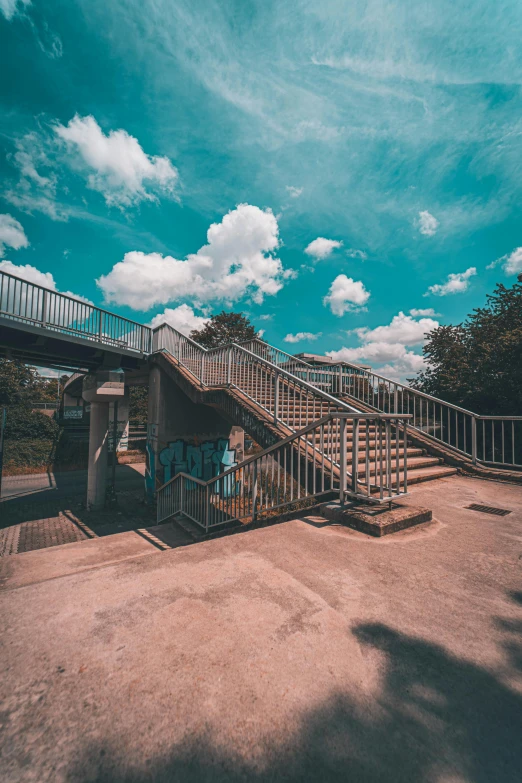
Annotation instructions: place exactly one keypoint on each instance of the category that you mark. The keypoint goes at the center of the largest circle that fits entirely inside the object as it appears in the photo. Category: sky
(347, 174)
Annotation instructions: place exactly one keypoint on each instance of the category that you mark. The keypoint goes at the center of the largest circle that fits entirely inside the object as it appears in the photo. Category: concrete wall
(183, 436)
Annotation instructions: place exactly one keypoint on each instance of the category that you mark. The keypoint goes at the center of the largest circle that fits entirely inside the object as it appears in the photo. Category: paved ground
(302, 651)
(48, 510)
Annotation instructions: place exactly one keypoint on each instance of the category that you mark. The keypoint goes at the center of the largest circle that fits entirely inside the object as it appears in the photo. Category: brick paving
(31, 524)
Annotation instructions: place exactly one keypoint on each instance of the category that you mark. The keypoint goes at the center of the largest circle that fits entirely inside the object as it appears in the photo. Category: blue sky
(322, 166)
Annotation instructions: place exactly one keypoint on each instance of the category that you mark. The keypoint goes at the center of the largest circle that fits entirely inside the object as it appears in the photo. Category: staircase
(323, 442)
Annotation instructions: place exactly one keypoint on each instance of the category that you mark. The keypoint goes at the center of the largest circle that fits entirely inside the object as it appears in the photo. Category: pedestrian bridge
(336, 428)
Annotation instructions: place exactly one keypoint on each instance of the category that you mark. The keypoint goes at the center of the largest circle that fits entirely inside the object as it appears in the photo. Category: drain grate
(498, 512)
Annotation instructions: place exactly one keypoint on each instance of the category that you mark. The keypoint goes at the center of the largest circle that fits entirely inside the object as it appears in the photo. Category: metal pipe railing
(296, 469)
(26, 302)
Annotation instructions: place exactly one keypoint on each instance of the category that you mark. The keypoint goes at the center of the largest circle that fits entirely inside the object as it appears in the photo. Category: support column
(98, 445)
(100, 389)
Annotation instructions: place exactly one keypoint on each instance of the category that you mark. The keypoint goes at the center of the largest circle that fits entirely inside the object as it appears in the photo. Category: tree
(478, 364)
(223, 329)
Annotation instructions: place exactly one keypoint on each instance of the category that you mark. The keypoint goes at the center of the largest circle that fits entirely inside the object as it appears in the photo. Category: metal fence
(32, 304)
(358, 455)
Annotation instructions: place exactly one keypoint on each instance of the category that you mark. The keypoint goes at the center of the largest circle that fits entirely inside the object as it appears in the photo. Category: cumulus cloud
(33, 275)
(182, 318)
(511, 262)
(455, 284)
(12, 234)
(427, 224)
(403, 330)
(416, 312)
(293, 191)
(10, 7)
(321, 248)
(300, 336)
(116, 163)
(238, 260)
(387, 347)
(346, 295)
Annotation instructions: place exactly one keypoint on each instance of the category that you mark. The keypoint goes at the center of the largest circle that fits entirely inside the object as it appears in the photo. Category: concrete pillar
(98, 444)
(122, 443)
(99, 390)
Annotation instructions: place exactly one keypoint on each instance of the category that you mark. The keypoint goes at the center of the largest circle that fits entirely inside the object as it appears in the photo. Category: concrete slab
(302, 651)
(376, 520)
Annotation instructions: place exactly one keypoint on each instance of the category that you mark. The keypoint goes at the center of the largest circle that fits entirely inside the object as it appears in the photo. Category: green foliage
(27, 456)
(22, 422)
(478, 364)
(223, 329)
(139, 396)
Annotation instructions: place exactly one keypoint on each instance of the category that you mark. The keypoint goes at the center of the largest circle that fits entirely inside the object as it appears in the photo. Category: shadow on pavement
(436, 717)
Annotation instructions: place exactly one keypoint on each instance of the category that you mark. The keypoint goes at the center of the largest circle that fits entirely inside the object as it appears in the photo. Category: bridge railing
(304, 466)
(492, 440)
(35, 305)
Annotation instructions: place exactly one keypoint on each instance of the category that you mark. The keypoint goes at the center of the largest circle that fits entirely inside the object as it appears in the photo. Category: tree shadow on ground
(435, 717)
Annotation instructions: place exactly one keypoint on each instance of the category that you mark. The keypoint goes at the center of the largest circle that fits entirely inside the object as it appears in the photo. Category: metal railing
(493, 440)
(289, 399)
(35, 305)
(354, 455)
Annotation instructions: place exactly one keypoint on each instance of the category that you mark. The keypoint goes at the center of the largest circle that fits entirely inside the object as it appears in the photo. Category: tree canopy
(224, 328)
(20, 387)
(478, 364)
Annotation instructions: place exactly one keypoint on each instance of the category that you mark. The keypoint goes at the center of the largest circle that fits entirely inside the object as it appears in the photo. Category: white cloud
(427, 224)
(416, 312)
(119, 168)
(403, 330)
(455, 284)
(353, 253)
(261, 333)
(345, 295)
(182, 318)
(300, 336)
(238, 260)
(33, 275)
(265, 317)
(10, 7)
(37, 188)
(387, 347)
(12, 234)
(321, 248)
(511, 262)
(293, 191)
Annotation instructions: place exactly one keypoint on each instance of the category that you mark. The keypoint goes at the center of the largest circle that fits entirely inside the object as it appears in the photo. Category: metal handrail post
(474, 440)
(342, 460)
(100, 330)
(207, 507)
(44, 310)
(355, 454)
(340, 379)
(229, 365)
(276, 395)
(202, 370)
(254, 492)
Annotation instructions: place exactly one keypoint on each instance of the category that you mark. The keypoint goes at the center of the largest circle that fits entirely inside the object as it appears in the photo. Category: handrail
(292, 437)
(295, 469)
(22, 300)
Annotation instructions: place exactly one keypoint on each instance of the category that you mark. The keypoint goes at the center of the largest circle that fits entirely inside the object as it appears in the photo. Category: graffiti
(204, 461)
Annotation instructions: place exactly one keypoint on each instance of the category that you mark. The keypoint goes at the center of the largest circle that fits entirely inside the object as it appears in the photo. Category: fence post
(100, 331)
(254, 492)
(474, 440)
(405, 456)
(44, 309)
(207, 507)
(355, 454)
(202, 371)
(3, 416)
(229, 365)
(276, 395)
(340, 379)
(342, 460)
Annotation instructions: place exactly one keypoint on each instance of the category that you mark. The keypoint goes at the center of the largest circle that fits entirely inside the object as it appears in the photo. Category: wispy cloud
(427, 224)
(12, 234)
(302, 336)
(456, 283)
(511, 262)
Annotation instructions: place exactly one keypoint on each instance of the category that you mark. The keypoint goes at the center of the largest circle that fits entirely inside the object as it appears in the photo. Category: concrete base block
(376, 521)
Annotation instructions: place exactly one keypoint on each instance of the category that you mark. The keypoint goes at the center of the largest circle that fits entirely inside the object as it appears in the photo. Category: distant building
(316, 360)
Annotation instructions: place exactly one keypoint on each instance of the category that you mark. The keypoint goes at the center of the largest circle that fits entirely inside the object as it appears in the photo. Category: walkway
(302, 651)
